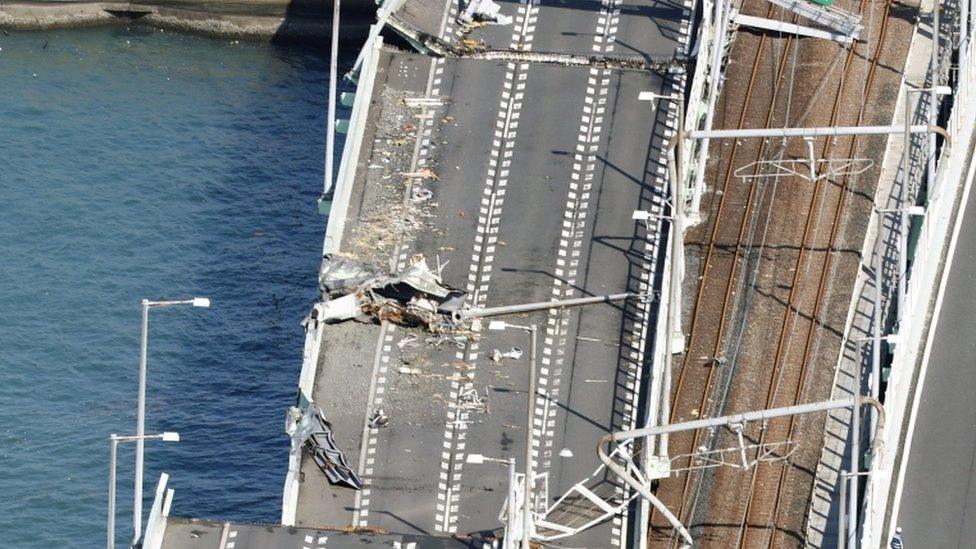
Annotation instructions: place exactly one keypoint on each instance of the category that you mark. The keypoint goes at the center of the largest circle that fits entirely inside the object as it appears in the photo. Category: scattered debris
(438, 341)
(425, 173)
(484, 10)
(309, 429)
(410, 340)
(474, 401)
(420, 194)
(514, 353)
(378, 419)
(416, 297)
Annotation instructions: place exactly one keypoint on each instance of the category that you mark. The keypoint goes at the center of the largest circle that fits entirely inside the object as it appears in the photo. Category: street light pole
(333, 76)
(904, 216)
(508, 541)
(141, 410)
(527, 505)
(533, 330)
(114, 441)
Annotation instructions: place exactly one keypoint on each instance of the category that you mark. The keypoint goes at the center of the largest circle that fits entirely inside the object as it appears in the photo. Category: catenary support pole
(933, 100)
(333, 78)
(842, 514)
(726, 421)
(715, 76)
(855, 459)
(826, 131)
(903, 218)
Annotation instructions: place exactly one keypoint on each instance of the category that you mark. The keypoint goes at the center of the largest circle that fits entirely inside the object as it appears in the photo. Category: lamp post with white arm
(114, 441)
(533, 330)
(141, 412)
(508, 541)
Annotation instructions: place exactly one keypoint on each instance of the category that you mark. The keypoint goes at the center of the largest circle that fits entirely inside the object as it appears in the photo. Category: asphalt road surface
(938, 501)
(539, 168)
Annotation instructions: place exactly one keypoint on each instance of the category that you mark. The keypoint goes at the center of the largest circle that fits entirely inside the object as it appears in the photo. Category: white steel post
(906, 197)
(855, 455)
(113, 446)
(333, 72)
(841, 516)
(141, 411)
(716, 75)
(933, 100)
(140, 427)
(527, 504)
(512, 522)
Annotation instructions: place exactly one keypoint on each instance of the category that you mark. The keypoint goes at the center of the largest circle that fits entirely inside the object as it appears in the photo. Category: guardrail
(354, 140)
(927, 275)
(158, 514)
(333, 239)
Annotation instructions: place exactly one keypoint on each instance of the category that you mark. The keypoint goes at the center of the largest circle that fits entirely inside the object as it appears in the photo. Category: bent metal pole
(541, 306)
(814, 132)
(736, 419)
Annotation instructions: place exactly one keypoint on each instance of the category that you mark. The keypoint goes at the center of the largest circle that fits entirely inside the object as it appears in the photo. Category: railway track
(772, 528)
(761, 520)
(692, 393)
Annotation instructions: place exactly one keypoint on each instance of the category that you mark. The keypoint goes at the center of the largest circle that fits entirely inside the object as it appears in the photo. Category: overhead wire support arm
(730, 421)
(815, 132)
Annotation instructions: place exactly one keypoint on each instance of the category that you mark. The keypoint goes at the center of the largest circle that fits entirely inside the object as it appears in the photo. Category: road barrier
(333, 239)
(926, 279)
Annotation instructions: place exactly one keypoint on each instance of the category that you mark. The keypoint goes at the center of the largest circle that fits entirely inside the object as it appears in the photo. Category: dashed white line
(479, 273)
(381, 365)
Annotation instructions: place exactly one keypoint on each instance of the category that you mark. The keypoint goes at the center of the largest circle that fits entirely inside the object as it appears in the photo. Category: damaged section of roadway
(437, 47)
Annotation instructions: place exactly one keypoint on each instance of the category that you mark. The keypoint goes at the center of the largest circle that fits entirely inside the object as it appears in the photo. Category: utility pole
(141, 410)
(933, 102)
(114, 441)
(333, 76)
(533, 331)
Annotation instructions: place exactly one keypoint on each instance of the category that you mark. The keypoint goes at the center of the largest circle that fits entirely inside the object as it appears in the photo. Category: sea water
(138, 164)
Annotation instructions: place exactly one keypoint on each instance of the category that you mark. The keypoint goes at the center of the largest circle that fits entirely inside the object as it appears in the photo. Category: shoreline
(255, 21)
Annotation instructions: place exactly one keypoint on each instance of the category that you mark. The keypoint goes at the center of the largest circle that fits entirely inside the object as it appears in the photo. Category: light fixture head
(475, 459)
(942, 90)
(201, 302)
(497, 325)
(170, 436)
(646, 96)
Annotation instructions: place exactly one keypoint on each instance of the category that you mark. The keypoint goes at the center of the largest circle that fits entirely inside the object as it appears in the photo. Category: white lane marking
(381, 365)
(479, 272)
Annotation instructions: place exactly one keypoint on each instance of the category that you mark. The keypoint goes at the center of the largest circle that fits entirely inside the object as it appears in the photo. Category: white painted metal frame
(936, 243)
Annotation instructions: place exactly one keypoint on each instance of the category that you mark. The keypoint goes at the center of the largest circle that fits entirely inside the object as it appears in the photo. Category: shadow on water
(309, 22)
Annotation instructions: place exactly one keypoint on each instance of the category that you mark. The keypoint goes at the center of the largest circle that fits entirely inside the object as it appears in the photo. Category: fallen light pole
(482, 312)
(730, 421)
(532, 330)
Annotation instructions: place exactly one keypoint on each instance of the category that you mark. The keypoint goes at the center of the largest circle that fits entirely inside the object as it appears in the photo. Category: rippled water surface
(137, 163)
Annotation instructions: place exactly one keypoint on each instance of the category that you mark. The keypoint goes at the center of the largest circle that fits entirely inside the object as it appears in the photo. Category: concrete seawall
(307, 21)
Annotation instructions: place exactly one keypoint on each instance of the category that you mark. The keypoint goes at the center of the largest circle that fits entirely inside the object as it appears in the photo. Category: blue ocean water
(139, 163)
